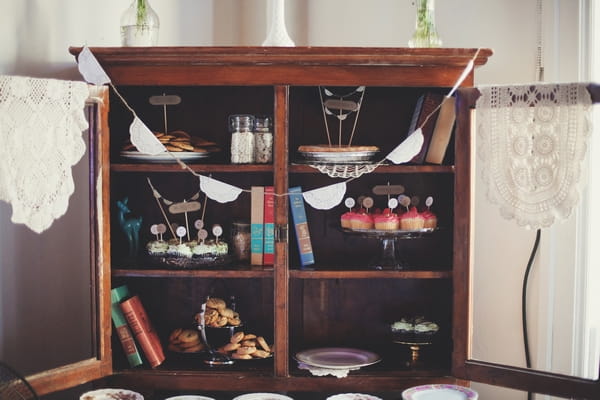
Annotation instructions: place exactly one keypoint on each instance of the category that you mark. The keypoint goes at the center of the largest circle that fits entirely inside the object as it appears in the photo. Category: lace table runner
(41, 122)
(531, 141)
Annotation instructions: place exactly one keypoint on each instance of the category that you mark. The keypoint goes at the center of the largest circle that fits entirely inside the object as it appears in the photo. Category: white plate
(439, 392)
(337, 357)
(190, 397)
(111, 394)
(262, 396)
(164, 157)
(353, 396)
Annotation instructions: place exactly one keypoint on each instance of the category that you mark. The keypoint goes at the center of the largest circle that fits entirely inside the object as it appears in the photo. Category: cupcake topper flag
(217, 231)
(181, 232)
(404, 200)
(392, 203)
(367, 203)
(165, 101)
(349, 203)
(429, 202)
(185, 207)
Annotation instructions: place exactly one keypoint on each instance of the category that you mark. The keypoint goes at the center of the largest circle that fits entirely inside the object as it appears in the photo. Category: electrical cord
(524, 302)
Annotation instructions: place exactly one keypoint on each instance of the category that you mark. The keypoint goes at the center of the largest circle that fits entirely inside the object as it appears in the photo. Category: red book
(142, 329)
(269, 227)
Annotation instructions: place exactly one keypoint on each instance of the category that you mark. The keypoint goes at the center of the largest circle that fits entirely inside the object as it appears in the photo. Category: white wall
(35, 36)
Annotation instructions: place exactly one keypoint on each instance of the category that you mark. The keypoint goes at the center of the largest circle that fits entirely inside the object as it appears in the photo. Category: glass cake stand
(389, 256)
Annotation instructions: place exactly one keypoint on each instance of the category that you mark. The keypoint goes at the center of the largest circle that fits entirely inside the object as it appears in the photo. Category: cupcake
(346, 219)
(361, 221)
(386, 221)
(157, 247)
(430, 220)
(411, 220)
(414, 329)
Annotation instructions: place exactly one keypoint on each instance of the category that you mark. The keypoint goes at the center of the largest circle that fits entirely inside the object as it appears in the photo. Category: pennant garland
(323, 198)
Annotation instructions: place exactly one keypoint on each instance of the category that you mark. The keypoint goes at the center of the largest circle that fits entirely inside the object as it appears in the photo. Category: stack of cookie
(180, 141)
(248, 346)
(218, 315)
(183, 340)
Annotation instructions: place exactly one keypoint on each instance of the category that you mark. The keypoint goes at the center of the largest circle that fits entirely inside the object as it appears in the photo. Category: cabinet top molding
(343, 66)
(368, 56)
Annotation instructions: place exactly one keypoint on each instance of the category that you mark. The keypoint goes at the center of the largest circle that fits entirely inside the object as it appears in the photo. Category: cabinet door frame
(462, 366)
(84, 371)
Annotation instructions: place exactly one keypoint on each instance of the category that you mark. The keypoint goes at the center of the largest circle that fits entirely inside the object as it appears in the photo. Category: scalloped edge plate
(262, 396)
(110, 394)
(439, 392)
(353, 396)
(337, 357)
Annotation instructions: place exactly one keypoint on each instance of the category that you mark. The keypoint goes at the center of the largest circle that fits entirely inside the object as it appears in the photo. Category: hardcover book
(442, 132)
(142, 329)
(425, 107)
(301, 226)
(269, 227)
(257, 209)
(132, 353)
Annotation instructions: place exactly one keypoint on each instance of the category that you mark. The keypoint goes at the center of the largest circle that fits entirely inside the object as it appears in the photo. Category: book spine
(428, 108)
(442, 132)
(301, 226)
(144, 332)
(257, 204)
(269, 226)
(122, 329)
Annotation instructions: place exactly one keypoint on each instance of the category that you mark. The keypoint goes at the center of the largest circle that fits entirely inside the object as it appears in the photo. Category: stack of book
(134, 328)
(435, 115)
(262, 226)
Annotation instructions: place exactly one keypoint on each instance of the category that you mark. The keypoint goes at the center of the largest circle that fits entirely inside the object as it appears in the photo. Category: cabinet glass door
(546, 281)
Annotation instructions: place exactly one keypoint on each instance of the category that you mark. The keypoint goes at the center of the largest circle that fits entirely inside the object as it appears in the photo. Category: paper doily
(532, 140)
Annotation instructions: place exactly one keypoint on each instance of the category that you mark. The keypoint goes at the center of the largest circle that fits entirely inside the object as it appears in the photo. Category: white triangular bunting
(90, 68)
(143, 138)
(409, 148)
(219, 191)
(327, 197)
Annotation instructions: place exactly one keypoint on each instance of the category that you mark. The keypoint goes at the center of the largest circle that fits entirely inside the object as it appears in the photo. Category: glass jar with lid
(240, 240)
(242, 138)
(263, 139)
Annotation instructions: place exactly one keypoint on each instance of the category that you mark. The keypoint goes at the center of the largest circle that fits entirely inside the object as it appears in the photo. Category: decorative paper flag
(90, 68)
(219, 191)
(327, 197)
(406, 150)
(144, 139)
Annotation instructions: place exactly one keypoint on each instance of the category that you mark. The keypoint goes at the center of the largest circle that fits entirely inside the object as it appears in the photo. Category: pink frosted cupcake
(346, 219)
(386, 221)
(430, 220)
(361, 221)
(412, 220)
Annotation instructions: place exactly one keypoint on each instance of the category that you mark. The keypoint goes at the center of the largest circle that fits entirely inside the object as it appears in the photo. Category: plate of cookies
(179, 144)
(246, 347)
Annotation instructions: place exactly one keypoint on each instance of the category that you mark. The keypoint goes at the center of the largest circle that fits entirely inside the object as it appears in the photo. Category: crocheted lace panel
(41, 124)
(531, 141)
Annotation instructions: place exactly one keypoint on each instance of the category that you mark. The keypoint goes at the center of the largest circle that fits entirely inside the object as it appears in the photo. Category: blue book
(301, 226)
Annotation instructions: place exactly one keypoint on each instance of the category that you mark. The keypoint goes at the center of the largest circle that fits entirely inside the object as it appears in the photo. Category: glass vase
(139, 25)
(425, 32)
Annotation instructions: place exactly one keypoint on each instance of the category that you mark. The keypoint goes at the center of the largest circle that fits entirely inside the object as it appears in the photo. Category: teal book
(257, 210)
(301, 226)
(117, 295)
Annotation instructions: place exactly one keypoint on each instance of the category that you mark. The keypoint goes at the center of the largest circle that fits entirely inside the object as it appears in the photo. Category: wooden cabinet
(341, 300)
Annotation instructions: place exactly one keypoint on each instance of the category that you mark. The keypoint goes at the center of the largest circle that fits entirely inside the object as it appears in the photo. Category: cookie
(263, 344)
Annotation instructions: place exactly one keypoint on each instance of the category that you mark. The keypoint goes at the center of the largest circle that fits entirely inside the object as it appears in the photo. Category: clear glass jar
(240, 240)
(242, 138)
(425, 33)
(139, 25)
(263, 140)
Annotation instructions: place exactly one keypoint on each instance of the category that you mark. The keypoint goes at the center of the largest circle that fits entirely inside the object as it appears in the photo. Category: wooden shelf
(195, 167)
(369, 274)
(195, 273)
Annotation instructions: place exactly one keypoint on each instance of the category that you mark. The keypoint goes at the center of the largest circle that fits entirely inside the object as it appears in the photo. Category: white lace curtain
(41, 124)
(531, 142)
